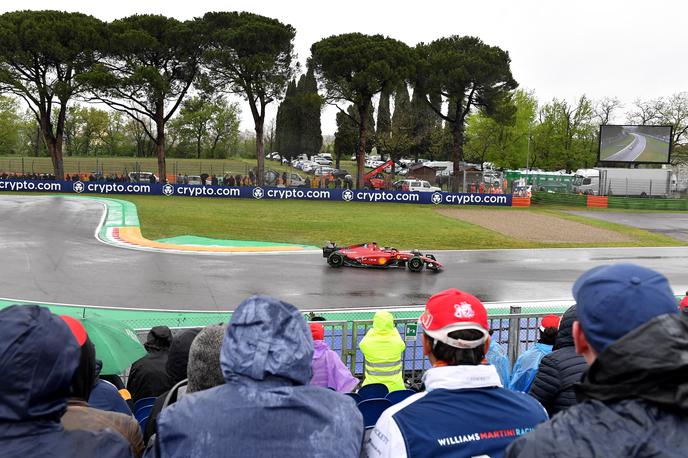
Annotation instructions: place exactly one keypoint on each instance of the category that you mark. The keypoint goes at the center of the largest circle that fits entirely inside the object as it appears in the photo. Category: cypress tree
(309, 105)
(288, 122)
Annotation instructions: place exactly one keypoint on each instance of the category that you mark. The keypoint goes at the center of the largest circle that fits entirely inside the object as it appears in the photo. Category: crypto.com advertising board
(257, 193)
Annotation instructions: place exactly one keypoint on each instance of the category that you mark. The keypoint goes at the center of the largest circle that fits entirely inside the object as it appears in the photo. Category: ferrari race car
(371, 255)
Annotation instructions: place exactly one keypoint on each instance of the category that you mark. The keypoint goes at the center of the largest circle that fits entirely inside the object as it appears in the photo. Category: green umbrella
(116, 343)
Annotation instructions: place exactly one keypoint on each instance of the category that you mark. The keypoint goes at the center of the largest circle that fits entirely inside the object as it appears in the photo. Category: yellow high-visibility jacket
(383, 350)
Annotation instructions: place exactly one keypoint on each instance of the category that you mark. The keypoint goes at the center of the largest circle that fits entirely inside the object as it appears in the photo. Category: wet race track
(50, 254)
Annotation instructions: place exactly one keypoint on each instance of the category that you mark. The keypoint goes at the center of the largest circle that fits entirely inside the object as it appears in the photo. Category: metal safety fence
(515, 331)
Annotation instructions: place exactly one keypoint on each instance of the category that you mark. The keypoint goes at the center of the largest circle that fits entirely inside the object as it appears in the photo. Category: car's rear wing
(329, 248)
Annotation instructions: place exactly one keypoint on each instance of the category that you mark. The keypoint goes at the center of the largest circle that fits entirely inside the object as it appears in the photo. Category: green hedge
(575, 200)
(549, 198)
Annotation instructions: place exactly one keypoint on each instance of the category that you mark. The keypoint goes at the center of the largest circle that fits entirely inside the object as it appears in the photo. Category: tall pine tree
(384, 122)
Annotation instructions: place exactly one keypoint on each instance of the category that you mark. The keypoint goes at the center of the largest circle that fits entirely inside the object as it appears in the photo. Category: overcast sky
(627, 49)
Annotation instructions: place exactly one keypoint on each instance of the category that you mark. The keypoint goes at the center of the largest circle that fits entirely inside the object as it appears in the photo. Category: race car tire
(335, 260)
(415, 264)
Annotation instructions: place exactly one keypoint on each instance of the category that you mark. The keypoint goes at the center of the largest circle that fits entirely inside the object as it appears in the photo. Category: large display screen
(646, 144)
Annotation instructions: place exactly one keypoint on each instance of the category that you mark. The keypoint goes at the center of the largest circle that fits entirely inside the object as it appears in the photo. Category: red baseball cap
(452, 310)
(549, 321)
(317, 331)
(76, 327)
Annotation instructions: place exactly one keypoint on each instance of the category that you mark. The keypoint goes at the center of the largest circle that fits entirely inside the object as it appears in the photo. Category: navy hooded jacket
(38, 356)
(633, 401)
(266, 407)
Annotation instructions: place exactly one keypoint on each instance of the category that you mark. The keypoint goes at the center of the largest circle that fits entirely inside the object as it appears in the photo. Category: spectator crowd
(608, 379)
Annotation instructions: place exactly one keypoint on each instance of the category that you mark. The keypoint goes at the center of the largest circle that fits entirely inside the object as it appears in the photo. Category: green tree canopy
(42, 54)
(502, 140)
(468, 74)
(11, 123)
(250, 55)
(151, 62)
(353, 67)
(209, 127)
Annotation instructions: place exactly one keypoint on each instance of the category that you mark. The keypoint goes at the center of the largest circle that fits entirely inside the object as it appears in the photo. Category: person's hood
(320, 348)
(38, 356)
(565, 335)
(267, 338)
(178, 356)
(649, 363)
(383, 322)
(159, 338)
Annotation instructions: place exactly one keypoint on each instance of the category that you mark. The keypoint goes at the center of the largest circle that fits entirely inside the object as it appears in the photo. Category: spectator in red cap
(633, 399)
(328, 369)
(464, 411)
(683, 306)
(528, 362)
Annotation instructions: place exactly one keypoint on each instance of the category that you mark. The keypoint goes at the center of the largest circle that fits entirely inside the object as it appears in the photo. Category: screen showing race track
(635, 144)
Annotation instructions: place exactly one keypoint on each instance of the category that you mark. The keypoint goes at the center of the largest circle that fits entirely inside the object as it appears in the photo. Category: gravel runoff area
(535, 227)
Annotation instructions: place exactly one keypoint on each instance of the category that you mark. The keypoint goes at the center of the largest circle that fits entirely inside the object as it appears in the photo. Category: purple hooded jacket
(329, 371)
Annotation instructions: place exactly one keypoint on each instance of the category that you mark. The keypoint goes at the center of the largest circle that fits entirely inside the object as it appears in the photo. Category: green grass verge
(404, 226)
(313, 223)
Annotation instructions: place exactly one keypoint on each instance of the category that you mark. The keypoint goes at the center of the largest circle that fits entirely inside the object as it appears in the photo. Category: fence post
(352, 350)
(345, 341)
(514, 334)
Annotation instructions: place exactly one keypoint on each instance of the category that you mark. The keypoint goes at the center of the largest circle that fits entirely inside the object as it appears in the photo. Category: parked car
(194, 179)
(322, 161)
(341, 173)
(309, 166)
(323, 170)
(142, 177)
(417, 186)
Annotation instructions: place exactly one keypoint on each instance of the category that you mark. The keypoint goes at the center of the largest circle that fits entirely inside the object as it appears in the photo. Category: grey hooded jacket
(266, 407)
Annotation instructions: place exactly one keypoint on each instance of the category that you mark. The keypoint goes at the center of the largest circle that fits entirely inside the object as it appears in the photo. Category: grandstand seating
(355, 396)
(374, 390)
(372, 409)
(399, 395)
(143, 402)
(143, 413)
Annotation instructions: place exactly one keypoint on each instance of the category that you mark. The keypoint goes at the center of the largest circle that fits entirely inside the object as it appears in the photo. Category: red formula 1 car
(371, 255)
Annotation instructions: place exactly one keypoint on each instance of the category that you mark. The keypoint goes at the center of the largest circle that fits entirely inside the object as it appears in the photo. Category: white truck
(605, 181)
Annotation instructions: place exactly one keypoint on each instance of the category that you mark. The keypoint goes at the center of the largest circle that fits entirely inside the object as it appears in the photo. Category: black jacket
(634, 401)
(177, 363)
(560, 370)
(148, 376)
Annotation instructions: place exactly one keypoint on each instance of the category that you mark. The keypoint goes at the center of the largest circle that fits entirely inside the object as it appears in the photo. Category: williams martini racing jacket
(464, 412)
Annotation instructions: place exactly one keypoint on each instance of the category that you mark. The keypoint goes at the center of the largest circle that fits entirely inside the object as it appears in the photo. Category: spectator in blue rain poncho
(527, 364)
(266, 406)
(499, 359)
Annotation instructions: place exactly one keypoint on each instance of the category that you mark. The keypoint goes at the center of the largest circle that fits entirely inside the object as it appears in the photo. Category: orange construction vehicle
(376, 178)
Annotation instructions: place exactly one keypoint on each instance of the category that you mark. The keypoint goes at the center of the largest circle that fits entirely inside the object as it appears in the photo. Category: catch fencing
(84, 166)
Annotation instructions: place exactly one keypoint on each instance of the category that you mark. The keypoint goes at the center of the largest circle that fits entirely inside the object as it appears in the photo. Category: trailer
(606, 181)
